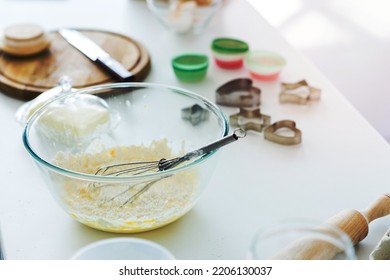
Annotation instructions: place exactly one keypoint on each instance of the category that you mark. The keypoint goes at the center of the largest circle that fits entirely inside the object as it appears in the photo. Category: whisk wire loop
(141, 167)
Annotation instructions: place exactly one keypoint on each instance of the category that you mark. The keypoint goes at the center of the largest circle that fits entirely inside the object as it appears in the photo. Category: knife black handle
(115, 68)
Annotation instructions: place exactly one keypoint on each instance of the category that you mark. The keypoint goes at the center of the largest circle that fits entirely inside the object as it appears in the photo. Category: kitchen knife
(95, 53)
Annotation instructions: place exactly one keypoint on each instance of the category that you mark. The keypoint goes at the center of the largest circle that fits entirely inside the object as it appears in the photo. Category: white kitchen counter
(342, 162)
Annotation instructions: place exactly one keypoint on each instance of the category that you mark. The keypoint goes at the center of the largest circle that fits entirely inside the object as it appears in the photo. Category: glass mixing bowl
(184, 17)
(75, 134)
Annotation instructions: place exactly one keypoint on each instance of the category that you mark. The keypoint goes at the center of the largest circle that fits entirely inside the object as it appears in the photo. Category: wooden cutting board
(27, 77)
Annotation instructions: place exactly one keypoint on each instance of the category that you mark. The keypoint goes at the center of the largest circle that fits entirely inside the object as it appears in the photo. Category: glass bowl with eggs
(184, 16)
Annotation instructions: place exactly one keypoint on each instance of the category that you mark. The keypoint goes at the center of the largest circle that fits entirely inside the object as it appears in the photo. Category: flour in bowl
(105, 206)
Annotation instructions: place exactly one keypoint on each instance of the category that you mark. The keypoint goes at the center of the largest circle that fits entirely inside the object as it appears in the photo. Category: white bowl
(123, 248)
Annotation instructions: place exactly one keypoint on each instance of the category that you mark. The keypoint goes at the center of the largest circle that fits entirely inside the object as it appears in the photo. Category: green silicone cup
(190, 67)
(229, 46)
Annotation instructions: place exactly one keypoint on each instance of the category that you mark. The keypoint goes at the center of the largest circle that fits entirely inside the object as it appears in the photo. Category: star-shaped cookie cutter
(195, 114)
(258, 120)
(270, 133)
(238, 93)
(299, 93)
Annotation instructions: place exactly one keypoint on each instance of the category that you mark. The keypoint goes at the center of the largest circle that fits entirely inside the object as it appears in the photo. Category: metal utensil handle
(238, 133)
(115, 67)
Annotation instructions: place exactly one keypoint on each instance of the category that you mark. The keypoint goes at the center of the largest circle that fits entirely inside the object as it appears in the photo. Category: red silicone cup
(229, 52)
(229, 64)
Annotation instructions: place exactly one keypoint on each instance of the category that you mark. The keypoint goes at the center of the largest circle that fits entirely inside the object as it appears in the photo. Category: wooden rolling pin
(352, 222)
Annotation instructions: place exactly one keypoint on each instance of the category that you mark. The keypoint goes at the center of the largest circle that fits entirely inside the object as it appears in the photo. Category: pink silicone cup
(264, 65)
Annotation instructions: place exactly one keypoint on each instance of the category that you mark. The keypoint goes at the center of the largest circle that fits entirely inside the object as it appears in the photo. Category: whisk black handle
(238, 133)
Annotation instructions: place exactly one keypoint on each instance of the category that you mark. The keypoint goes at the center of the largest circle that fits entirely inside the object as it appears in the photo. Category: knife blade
(95, 53)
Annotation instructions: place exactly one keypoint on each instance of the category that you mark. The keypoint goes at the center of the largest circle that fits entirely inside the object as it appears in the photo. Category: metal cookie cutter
(195, 114)
(299, 93)
(258, 123)
(238, 93)
(271, 135)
